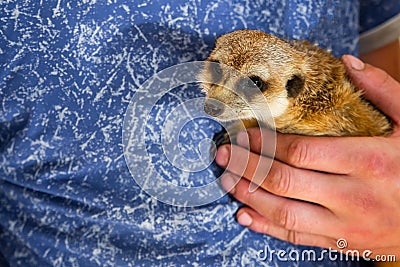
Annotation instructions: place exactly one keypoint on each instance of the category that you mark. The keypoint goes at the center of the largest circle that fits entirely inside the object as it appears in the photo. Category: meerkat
(305, 86)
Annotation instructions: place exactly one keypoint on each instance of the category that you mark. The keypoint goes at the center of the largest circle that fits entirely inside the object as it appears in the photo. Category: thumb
(378, 86)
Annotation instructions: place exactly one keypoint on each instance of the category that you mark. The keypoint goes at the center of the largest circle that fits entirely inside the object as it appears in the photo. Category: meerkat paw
(221, 138)
(228, 134)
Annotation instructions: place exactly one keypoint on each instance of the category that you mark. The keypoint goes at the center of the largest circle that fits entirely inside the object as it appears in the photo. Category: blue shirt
(69, 70)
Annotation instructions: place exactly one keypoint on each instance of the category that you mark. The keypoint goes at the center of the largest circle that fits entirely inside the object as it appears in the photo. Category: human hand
(320, 189)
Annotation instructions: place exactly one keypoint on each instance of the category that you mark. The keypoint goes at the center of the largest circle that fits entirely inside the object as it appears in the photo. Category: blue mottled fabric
(68, 70)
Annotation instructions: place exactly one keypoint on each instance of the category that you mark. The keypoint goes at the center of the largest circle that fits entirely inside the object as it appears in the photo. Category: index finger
(339, 155)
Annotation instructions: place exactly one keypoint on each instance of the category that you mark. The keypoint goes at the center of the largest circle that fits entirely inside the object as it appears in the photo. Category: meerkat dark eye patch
(294, 86)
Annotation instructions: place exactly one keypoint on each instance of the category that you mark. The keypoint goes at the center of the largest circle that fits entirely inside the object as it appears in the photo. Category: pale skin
(321, 189)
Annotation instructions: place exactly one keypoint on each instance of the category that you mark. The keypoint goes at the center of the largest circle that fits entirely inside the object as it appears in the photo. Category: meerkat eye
(259, 83)
(247, 84)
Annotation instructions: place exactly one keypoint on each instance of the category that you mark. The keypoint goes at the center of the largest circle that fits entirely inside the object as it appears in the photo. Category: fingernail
(222, 156)
(355, 63)
(228, 183)
(244, 219)
(242, 139)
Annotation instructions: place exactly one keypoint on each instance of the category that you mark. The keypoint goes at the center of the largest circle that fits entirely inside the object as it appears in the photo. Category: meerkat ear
(295, 85)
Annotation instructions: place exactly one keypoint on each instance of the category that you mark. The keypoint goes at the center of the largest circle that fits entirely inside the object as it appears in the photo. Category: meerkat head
(248, 69)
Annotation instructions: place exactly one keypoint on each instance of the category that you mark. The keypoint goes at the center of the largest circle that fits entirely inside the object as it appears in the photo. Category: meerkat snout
(304, 88)
(265, 77)
(235, 96)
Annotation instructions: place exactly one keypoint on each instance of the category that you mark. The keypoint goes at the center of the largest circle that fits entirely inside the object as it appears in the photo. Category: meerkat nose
(213, 107)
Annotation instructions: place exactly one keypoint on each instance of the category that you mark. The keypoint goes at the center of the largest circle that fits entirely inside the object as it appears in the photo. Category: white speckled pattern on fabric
(68, 72)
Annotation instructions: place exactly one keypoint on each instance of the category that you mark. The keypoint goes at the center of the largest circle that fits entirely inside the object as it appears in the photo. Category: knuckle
(365, 202)
(246, 196)
(280, 181)
(376, 164)
(266, 228)
(286, 218)
(299, 153)
(293, 237)
(385, 81)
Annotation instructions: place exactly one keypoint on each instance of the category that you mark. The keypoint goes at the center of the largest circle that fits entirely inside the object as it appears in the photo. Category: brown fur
(327, 104)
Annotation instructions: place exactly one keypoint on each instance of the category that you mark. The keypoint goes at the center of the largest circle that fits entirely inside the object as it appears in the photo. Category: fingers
(279, 178)
(337, 155)
(243, 163)
(379, 87)
(258, 140)
(330, 191)
(301, 151)
(249, 218)
(253, 220)
(283, 213)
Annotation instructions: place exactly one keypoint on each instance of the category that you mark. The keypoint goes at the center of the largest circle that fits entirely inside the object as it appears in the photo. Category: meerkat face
(249, 71)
